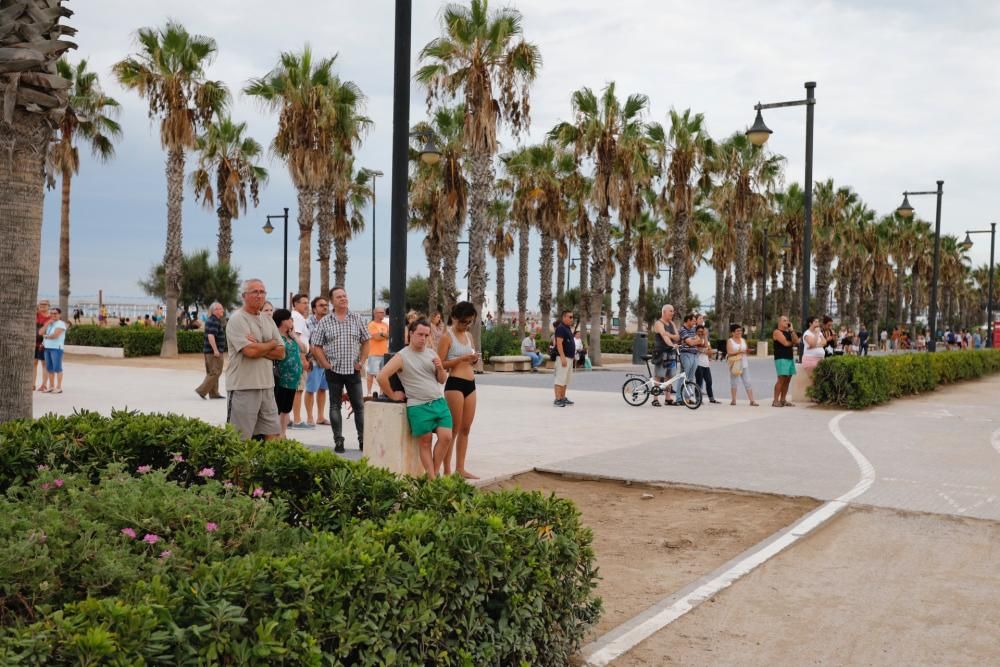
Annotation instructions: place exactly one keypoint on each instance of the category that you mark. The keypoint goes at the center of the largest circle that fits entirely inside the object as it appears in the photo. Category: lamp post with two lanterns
(966, 245)
(906, 211)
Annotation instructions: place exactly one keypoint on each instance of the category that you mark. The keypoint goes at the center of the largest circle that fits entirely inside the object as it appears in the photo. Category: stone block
(388, 443)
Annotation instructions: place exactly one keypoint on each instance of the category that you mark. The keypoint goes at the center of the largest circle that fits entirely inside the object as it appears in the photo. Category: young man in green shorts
(422, 375)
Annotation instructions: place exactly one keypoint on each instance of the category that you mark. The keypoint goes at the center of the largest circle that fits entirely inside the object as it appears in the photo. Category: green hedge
(277, 555)
(136, 340)
(858, 382)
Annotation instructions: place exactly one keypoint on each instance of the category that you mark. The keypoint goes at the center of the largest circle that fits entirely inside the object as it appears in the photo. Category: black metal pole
(399, 205)
(932, 312)
(807, 226)
(763, 293)
(989, 304)
(373, 245)
(284, 281)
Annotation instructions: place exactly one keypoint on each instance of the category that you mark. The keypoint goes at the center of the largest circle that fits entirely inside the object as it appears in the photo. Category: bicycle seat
(646, 357)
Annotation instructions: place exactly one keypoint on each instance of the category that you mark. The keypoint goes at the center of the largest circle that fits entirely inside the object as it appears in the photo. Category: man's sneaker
(568, 402)
(338, 446)
(656, 403)
(559, 403)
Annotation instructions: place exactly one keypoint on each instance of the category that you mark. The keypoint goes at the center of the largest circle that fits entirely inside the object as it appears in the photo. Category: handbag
(735, 362)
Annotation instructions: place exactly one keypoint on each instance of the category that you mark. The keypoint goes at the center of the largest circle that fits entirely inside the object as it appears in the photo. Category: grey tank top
(419, 376)
(457, 348)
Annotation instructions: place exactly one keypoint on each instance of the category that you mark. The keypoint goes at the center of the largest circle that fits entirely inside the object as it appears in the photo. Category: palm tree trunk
(598, 272)
(23, 143)
(560, 275)
(914, 290)
(307, 208)
(740, 272)
(449, 266)
(433, 253)
(481, 172)
(799, 286)
(545, 281)
(679, 282)
(583, 229)
(340, 263)
(728, 312)
(523, 237)
(640, 310)
(501, 285)
(720, 297)
(855, 297)
(172, 256)
(224, 249)
(772, 299)
(880, 304)
(787, 292)
(823, 261)
(67, 178)
(624, 277)
(900, 279)
(324, 226)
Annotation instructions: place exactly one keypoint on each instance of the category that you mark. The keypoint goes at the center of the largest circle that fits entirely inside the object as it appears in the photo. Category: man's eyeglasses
(256, 292)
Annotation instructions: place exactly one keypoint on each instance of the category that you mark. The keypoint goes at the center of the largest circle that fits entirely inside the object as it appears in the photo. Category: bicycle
(638, 388)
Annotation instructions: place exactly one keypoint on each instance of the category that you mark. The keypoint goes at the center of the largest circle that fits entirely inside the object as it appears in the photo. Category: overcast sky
(906, 95)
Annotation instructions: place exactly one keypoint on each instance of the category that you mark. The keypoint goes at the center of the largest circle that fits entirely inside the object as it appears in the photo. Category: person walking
(378, 329)
(665, 350)
(703, 374)
(459, 358)
(863, 341)
(421, 372)
(41, 320)
(254, 344)
(288, 371)
(213, 347)
(566, 353)
(316, 386)
(340, 345)
(530, 350)
(689, 348)
(53, 340)
(739, 365)
(300, 331)
(785, 341)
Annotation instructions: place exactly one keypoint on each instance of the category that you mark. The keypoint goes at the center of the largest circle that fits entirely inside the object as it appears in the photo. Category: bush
(136, 340)
(858, 382)
(499, 341)
(313, 559)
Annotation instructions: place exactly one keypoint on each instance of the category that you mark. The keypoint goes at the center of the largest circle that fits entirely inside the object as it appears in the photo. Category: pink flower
(58, 483)
(142, 470)
(46, 486)
(151, 538)
(42, 467)
(227, 484)
(258, 492)
(129, 533)
(165, 554)
(211, 527)
(207, 472)
(178, 458)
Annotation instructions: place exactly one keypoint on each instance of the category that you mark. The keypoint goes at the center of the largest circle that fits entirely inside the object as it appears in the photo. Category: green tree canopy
(202, 282)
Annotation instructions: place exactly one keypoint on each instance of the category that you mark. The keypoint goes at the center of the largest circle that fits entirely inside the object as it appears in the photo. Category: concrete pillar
(796, 393)
(761, 349)
(388, 443)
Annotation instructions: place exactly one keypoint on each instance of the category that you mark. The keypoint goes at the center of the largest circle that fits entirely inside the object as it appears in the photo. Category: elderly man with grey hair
(665, 343)
(214, 349)
(254, 343)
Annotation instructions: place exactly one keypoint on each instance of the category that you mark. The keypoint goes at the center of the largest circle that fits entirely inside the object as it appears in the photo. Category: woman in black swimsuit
(458, 356)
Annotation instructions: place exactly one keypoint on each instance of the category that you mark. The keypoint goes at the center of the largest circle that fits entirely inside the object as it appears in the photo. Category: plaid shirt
(341, 340)
(213, 325)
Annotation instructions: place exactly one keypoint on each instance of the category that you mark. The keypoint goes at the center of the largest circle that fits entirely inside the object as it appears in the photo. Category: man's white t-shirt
(301, 328)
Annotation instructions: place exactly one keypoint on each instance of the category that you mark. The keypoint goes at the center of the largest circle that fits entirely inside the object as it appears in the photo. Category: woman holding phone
(459, 356)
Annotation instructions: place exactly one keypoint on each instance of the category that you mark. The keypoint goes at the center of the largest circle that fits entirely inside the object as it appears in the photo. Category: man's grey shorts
(253, 412)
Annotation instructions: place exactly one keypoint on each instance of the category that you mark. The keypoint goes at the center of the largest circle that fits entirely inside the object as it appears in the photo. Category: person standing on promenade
(703, 374)
(421, 372)
(288, 371)
(863, 341)
(53, 335)
(566, 351)
(665, 350)
(340, 346)
(316, 386)
(689, 353)
(214, 348)
(739, 365)
(785, 340)
(378, 329)
(254, 344)
(300, 331)
(459, 357)
(41, 319)
(438, 329)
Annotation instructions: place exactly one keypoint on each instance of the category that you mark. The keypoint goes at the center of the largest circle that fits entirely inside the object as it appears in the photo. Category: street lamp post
(374, 173)
(758, 135)
(268, 228)
(670, 271)
(966, 244)
(906, 211)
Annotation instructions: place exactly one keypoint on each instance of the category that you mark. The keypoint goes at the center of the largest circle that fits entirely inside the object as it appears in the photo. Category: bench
(510, 363)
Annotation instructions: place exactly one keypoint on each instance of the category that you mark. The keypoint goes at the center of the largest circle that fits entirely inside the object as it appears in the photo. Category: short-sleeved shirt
(528, 345)
(243, 372)
(688, 332)
(378, 347)
(213, 326)
(419, 377)
(341, 341)
(569, 344)
(290, 368)
(55, 343)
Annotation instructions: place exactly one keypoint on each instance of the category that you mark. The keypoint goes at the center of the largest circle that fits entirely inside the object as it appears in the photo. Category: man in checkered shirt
(340, 346)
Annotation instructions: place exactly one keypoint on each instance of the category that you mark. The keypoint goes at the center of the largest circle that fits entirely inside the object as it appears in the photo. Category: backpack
(553, 352)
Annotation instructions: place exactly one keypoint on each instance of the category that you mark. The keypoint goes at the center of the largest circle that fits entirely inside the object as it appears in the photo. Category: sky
(906, 95)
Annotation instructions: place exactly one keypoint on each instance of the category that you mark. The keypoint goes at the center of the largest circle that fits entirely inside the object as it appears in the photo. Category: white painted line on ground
(625, 637)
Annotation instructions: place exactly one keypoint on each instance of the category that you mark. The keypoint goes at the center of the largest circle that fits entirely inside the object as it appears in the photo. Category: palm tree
(636, 171)
(482, 57)
(501, 245)
(790, 215)
(34, 101)
(225, 149)
(577, 191)
(830, 210)
(90, 115)
(597, 128)
(169, 72)
(649, 237)
(310, 128)
(353, 193)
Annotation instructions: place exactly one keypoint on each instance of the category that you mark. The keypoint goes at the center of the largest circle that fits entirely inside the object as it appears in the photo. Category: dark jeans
(355, 393)
(704, 378)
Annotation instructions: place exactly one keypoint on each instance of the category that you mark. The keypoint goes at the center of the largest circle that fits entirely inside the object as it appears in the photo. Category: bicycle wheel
(691, 395)
(635, 391)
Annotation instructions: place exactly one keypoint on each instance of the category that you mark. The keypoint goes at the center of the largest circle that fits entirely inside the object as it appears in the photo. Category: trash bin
(639, 347)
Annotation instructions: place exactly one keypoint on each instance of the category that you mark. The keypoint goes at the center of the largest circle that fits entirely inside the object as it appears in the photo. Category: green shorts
(427, 417)
(785, 366)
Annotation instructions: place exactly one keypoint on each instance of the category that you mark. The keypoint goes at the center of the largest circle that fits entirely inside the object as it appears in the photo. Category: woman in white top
(739, 367)
(813, 344)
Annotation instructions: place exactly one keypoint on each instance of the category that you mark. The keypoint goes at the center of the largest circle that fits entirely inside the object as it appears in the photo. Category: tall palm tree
(225, 150)
(501, 245)
(481, 56)
(34, 101)
(830, 210)
(790, 207)
(353, 194)
(597, 129)
(310, 127)
(169, 72)
(649, 237)
(636, 171)
(91, 116)
(577, 191)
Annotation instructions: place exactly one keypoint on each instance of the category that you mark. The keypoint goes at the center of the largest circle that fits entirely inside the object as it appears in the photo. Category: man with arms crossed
(665, 350)
(254, 343)
(566, 348)
(378, 329)
(422, 375)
